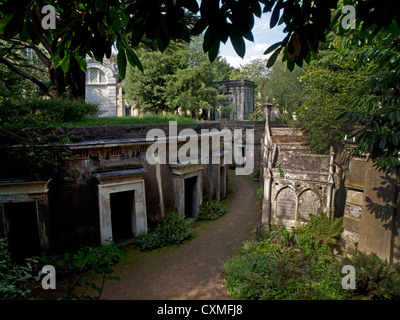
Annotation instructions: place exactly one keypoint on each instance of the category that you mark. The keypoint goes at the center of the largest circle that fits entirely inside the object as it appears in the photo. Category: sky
(263, 38)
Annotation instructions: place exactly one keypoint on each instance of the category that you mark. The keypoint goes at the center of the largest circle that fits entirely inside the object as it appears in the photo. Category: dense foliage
(16, 280)
(34, 112)
(352, 91)
(284, 265)
(375, 278)
(181, 78)
(75, 269)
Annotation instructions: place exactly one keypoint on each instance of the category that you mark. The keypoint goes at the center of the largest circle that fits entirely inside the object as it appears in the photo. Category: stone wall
(108, 167)
(257, 126)
(240, 95)
(371, 215)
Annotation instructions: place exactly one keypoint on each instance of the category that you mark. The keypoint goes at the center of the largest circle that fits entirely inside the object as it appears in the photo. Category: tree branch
(39, 83)
(28, 65)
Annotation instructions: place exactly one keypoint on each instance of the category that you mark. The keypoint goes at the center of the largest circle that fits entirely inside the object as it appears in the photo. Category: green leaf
(275, 15)
(273, 47)
(108, 270)
(237, 42)
(82, 62)
(208, 40)
(290, 64)
(273, 57)
(66, 63)
(121, 60)
(199, 27)
(133, 59)
(214, 50)
(382, 142)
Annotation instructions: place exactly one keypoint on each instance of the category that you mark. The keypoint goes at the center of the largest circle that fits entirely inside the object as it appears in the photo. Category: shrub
(375, 278)
(282, 267)
(16, 281)
(43, 112)
(75, 268)
(211, 210)
(173, 229)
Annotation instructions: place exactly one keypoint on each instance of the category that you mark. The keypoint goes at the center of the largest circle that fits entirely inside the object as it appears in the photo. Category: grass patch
(115, 121)
(56, 112)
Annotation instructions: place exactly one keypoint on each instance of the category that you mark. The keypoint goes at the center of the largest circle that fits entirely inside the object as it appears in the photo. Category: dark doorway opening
(191, 197)
(122, 208)
(23, 232)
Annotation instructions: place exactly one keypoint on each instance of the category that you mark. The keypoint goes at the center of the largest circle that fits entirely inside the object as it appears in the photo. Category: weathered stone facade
(101, 86)
(296, 182)
(107, 189)
(240, 95)
(371, 209)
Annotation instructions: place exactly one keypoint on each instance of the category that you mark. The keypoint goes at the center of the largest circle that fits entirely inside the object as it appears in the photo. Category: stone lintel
(118, 176)
(180, 169)
(24, 187)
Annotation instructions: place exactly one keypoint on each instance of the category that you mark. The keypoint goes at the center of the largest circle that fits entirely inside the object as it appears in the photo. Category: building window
(95, 76)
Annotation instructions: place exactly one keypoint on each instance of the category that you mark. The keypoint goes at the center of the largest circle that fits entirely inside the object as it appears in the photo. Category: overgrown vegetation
(15, 115)
(284, 265)
(38, 112)
(75, 269)
(323, 229)
(39, 154)
(300, 265)
(375, 278)
(16, 280)
(287, 265)
(211, 210)
(180, 77)
(172, 229)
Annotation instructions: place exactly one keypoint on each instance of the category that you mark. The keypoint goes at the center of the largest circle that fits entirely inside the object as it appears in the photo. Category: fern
(375, 278)
(324, 229)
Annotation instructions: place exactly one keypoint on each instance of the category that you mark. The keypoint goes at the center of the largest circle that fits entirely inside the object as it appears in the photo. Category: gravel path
(193, 269)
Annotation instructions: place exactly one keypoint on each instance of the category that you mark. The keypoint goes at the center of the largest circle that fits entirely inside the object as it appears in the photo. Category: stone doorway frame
(18, 191)
(120, 181)
(181, 172)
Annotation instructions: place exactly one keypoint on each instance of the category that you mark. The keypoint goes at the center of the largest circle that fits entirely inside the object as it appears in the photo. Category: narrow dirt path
(193, 269)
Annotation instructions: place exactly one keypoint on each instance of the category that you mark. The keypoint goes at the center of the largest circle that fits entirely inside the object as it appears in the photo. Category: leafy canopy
(93, 27)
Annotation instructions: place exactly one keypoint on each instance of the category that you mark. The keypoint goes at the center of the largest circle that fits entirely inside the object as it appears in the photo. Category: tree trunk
(75, 79)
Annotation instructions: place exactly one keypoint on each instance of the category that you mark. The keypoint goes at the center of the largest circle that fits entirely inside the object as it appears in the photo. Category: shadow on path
(193, 269)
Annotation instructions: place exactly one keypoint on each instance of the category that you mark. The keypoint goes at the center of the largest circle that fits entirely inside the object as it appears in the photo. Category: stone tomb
(295, 204)
(122, 205)
(24, 217)
(188, 184)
